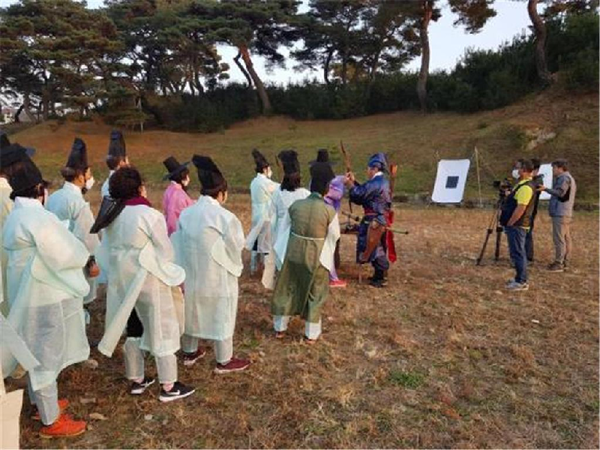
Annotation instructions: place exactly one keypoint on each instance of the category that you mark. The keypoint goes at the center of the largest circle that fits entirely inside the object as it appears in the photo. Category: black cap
(321, 174)
(117, 147)
(173, 167)
(12, 154)
(78, 159)
(289, 160)
(260, 161)
(322, 157)
(210, 176)
(26, 177)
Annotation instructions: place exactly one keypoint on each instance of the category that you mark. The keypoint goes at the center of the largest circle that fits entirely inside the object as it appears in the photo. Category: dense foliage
(157, 62)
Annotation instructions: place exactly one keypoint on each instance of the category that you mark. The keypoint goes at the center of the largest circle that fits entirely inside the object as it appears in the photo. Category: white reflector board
(546, 170)
(450, 180)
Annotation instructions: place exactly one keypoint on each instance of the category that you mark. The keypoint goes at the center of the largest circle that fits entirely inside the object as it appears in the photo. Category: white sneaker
(515, 286)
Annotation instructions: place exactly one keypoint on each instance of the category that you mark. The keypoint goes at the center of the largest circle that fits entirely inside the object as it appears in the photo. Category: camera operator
(561, 212)
(516, 220)
(538, 182)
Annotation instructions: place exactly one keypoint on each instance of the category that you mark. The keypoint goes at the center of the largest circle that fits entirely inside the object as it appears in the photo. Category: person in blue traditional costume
(374, 196)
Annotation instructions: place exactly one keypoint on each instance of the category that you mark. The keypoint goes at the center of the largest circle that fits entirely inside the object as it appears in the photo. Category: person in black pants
(538, 180)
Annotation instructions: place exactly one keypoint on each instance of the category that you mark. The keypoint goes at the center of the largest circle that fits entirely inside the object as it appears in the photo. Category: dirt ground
(444, 357)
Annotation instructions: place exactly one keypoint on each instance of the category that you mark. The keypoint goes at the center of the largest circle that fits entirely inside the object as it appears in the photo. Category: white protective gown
(209, 243)
(45, 288)
(261, 193)
(104, 190)
(6, 205)
(68, 204)
(141, 274)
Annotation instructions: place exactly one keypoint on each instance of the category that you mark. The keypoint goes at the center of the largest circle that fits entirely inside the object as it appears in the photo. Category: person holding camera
(516, 220)
(538, 181)
(561, 205)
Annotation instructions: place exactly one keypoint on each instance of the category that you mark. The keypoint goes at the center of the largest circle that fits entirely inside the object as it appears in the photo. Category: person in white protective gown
(261, 194)
(116, 158)
(209, 242)
(45, 290)
(289, 192)
(141, 278)
(68, 204)
(11, 157)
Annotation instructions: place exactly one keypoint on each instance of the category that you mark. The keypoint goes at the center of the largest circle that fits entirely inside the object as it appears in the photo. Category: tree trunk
(425, 54)
(326, 67)
(540, 42)
(45, 104)
(260, 87)
(236, 60)
(27, 109)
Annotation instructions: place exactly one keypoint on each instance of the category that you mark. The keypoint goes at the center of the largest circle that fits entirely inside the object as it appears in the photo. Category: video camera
(503, 186)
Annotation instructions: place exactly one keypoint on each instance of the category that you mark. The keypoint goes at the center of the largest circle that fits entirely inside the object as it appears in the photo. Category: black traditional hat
(78, 159)
(12, 154)
(117, 147)
(26, 177)
(260, 161)
(322, 157)
(289, 160)
(174, 167)
(5, 143)
(321, 174)
(210, 176)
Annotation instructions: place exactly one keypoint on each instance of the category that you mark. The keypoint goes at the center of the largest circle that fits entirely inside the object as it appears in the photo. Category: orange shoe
(65, 426)
(63, 404)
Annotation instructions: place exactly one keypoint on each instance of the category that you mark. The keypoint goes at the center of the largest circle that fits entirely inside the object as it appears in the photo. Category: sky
(448, 43)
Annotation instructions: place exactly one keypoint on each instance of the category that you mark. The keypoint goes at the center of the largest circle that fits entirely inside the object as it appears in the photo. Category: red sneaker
(65, 426)
(189, 359)
(63, 404)
(235, 365)
(337, 284)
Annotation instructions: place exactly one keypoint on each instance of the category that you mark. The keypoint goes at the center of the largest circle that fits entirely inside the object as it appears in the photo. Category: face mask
(515, 174)
(185, 182)
(89, 183)
(269, 172)
(45, 199)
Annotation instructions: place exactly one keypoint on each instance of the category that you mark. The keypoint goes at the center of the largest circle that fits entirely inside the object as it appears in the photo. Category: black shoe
(556, 267)
(383, 281)
(140, 388)
(178, 391)
(378, 283)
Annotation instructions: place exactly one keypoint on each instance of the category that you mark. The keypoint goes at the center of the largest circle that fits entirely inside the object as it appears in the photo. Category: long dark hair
(291, 181)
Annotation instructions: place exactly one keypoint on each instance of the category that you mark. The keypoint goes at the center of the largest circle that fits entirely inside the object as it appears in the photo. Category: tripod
(494, 223)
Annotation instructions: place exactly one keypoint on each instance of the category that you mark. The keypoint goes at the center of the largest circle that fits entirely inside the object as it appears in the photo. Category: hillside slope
(416, 141)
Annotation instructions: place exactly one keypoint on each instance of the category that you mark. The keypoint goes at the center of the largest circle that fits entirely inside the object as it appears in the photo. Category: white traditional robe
(104, 190)
(6, 205)
(68, 204)
(261, 193)
(209, 243)
(141, 274)
(45, 288)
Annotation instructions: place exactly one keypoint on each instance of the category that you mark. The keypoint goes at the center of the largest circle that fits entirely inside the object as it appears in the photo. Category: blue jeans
(516, 244)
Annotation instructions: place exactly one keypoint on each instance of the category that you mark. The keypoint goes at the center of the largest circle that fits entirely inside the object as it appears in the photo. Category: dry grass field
(444, 357)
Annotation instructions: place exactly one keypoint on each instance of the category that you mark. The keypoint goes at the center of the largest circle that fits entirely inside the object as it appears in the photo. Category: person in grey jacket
(563, 193)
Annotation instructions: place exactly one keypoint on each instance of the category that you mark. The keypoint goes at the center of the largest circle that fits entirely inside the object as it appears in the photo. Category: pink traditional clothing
(175, 200)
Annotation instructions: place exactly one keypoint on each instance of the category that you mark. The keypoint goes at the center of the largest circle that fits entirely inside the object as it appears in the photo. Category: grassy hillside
(416, 141)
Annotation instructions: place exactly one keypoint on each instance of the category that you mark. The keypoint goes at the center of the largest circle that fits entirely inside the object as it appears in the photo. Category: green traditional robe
(303, 284)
